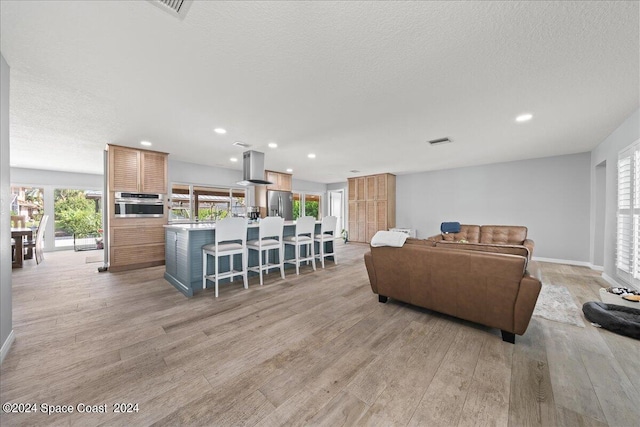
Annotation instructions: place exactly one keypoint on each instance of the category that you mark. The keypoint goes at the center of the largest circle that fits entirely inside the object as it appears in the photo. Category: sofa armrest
(368, 262)
(525, 303)
(529, 244)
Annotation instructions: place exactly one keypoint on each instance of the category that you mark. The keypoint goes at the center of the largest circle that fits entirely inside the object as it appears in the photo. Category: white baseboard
(564, 261)
(616, 284)
(596, 267)
(7, 345)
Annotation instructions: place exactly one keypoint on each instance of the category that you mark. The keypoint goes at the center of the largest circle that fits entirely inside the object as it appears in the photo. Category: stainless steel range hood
(253, 168)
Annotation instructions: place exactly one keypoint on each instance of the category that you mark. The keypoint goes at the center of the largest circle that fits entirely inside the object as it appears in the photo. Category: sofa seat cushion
(487, 247)
(503, 234)
(470, 233)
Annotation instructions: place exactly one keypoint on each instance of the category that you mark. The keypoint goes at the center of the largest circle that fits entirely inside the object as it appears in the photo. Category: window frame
(192, 216)
(627, 257)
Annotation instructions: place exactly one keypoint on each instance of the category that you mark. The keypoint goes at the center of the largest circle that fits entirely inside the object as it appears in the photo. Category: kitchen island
(183, 253)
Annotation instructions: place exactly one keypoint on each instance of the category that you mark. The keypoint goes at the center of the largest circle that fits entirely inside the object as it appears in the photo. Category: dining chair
(37, 244)
(303, 237)
(228, 232)
(327, 235)
(269, 238)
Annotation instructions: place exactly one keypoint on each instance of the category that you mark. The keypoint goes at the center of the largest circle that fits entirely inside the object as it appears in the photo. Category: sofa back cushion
(486, 247)
(503, 234)
(470, 233)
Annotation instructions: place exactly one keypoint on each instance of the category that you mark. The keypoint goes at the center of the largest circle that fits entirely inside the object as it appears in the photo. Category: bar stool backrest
(328, 225)
(228, 229)
(271, 226)
(305, 225)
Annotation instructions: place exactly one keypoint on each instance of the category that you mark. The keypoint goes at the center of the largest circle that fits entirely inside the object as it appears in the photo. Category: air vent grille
(439, 141)
(241, 144)
(176, 8)
(173, 4)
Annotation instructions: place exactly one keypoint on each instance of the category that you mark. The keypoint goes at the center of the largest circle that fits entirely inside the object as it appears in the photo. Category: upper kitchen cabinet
(280, 181)
(136, 170)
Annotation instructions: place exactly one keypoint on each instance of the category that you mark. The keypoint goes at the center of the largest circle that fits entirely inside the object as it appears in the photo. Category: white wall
(550, 196)
(607, 150)
(6, 324)
(192, 173)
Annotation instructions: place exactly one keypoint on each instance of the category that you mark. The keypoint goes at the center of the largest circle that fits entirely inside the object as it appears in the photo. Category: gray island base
(183, 253)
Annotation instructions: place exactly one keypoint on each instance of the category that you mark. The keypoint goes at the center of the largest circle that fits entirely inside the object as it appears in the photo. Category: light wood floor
(316, 349)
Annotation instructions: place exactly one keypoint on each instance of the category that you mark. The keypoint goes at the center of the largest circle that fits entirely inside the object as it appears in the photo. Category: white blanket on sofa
(395, 239)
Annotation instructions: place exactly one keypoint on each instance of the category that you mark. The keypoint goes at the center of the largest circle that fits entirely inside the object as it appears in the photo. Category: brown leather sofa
(492, 289)
(507, 239)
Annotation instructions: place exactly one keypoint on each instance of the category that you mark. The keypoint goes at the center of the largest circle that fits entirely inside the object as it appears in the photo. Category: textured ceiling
(363, 85)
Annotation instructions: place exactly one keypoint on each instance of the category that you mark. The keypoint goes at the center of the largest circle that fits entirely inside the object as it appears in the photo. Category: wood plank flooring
(314, 349)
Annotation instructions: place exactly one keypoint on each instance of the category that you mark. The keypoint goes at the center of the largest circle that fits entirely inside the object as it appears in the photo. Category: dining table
(17, 234)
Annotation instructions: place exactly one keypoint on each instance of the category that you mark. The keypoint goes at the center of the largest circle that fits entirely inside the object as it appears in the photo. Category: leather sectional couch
(508, 239)
(489, 287)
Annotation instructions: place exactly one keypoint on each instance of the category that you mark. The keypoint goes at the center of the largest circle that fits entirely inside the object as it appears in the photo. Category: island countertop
(191, 226)
(183, 252)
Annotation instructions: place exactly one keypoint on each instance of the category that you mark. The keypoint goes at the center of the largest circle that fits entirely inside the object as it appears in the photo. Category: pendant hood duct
(253, 168)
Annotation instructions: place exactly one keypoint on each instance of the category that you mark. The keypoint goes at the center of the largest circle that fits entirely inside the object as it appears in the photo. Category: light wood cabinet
(280, 181)
(135, 170)
(135, 242)
(372, 204)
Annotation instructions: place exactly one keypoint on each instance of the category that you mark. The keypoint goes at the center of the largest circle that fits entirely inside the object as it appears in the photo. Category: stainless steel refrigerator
(280, 203)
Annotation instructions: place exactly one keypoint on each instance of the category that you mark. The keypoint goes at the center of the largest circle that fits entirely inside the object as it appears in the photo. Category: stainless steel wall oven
(139, 205)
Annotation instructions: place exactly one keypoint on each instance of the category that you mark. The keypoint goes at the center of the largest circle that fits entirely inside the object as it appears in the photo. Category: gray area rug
(556, 303)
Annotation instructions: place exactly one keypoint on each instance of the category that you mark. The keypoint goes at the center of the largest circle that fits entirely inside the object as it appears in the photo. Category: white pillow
(395, 239)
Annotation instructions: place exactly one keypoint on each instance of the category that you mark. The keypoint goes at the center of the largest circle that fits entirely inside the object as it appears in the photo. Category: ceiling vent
(177, 8)
(241, 144)
(439, 141)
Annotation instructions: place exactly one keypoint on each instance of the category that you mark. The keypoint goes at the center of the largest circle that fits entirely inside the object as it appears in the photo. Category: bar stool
(269, 239)
(305, 228)
(327, 235)
(228, 232)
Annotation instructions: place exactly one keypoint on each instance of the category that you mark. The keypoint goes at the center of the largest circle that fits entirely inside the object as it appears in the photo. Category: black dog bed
(616, 318)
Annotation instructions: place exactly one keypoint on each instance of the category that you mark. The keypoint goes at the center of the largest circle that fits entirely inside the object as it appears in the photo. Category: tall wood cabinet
(372, 205)
(135, 242)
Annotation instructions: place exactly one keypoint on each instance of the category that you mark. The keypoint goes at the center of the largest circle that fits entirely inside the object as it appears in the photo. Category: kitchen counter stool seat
(269, 238)
(228, 233)
(327, 235)
(305, 228)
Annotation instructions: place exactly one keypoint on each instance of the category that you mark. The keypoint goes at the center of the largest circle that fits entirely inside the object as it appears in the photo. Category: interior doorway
(336, 208)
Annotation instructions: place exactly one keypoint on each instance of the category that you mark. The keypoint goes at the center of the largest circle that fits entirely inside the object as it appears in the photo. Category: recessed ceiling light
(145, 143)
(524, 117)
(289, 170)
(273, 145)
(220, 131)
(311, 156)
(234, 159)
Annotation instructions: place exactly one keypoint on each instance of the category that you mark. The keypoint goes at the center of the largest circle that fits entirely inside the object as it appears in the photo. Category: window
(206, 203)
(28, 202)
(77, 213)
(307, 204)
(628, 216)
